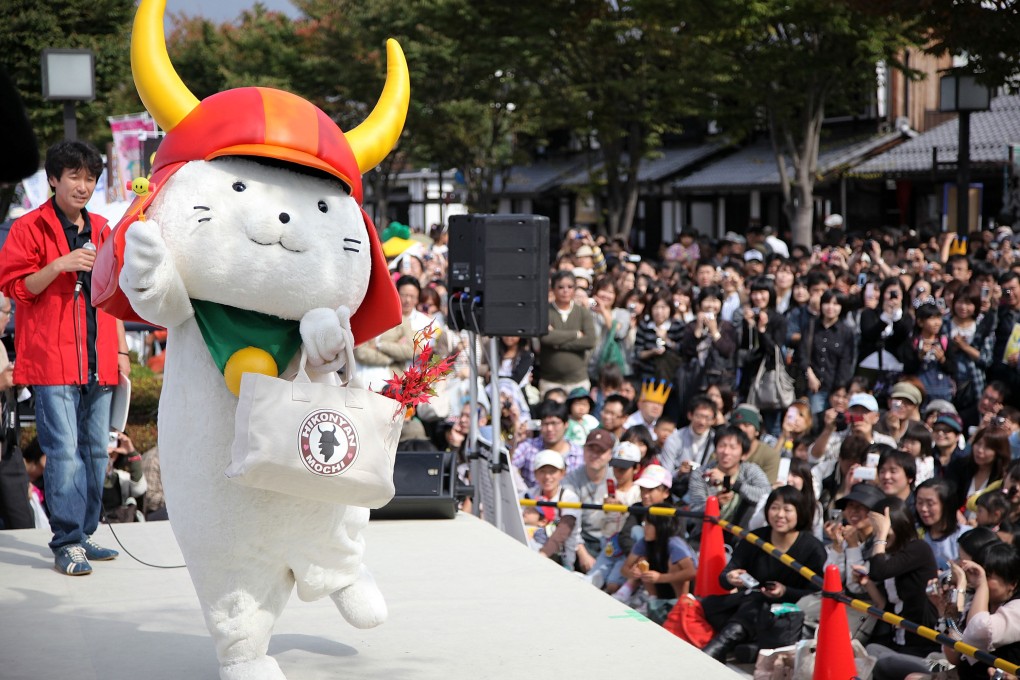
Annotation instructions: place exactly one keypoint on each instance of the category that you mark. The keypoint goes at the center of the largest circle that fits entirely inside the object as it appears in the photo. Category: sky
(226, 10)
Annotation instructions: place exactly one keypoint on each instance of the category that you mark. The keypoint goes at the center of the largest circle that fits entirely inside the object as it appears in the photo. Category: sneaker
(94, 551)
(71, 560)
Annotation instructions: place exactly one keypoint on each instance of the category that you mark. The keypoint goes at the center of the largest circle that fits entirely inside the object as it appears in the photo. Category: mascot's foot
(263, 668)
(361, 603)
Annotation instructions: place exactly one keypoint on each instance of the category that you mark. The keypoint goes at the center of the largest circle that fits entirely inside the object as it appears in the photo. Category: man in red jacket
(68, 351)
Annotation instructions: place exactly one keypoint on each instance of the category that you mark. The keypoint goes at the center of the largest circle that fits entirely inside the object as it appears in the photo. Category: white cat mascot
(252, 235)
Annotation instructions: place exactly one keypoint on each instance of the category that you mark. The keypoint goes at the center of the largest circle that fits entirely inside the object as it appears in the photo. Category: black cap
(867, 495)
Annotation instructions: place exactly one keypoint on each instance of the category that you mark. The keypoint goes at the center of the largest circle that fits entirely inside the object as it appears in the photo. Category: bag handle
(299, 389)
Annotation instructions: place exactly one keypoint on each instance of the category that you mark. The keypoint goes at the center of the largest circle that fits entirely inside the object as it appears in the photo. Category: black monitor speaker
(425, 483)
(499, 274)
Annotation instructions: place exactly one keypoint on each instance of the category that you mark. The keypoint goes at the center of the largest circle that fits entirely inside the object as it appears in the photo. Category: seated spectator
(917, 442)
(937, 520)
(642, 438)
(904, 401)
(580, 420)
(736, 483)
(693, 443)
(748, 418)
(981, 471)
(614, 414)
(799, 477)
(862, 416)
(993, 512)
(947, 431)
(624, 466)
(654, 485)
(650, 405)
(552, 436)
(662, 563)
(796, 423)
(561, 529)
(735, 617)
(896, 578)
(589, 483)
(125, 483)
(896, 473)
(993, 621)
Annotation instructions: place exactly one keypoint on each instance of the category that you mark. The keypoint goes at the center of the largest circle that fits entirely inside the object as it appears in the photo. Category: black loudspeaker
(425, 482)
(499, 274)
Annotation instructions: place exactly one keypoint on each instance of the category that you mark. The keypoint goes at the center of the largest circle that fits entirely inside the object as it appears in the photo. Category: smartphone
(865, 474)
(114, 440)
(749, 581)
(535, 424)
(610, 486)
(862, 280)
(784, 470)
(872, 460)
(986, 292)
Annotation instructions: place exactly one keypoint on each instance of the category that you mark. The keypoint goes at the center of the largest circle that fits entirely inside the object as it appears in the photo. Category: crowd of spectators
(898, 445)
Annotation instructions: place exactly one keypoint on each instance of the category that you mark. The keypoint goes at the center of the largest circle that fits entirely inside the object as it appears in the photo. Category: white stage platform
(466, 602)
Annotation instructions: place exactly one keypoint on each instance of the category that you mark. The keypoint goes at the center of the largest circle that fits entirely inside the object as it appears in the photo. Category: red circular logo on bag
(328, 442)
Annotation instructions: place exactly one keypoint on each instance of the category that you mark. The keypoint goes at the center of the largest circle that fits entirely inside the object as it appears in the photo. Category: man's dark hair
(958, 258)
(553, 409)
(1000, 387)
(73, 156)
(983, 268)
(733, 431)
(407, 280)
(701, 401)
(623, 401)
(813, 278)
(900, 459)
(1009, 275)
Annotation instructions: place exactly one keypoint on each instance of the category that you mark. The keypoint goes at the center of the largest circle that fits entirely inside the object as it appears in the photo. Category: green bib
(227, 329)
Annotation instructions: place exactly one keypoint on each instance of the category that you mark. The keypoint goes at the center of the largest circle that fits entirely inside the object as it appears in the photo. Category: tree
(790, 61)
(620, 74)
(100, 25)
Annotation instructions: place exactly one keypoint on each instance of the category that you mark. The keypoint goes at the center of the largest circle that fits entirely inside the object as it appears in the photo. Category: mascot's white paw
(361, 604)
(263, 668)
(324, 334)
(144, 251)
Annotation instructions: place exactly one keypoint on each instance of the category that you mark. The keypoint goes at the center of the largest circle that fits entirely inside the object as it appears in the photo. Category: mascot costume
(250, 245)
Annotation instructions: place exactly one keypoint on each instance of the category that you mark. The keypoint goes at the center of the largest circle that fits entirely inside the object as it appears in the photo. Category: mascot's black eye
(239, 187)
(323, 207)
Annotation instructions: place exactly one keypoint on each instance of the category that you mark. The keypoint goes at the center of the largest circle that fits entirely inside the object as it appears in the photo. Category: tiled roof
(754, 166)
(990, 132)
(667, 162)
(537, 177)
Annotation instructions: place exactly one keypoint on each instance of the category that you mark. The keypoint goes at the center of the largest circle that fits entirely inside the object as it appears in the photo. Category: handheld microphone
(81, 275)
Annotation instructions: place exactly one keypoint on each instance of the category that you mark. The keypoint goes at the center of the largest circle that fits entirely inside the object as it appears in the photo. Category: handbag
(611, 352)
(773, 389)
(687, 621)
(778, 630)
(325, 442)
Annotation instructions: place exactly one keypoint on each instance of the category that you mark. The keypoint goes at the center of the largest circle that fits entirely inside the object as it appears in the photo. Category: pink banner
(128, 133)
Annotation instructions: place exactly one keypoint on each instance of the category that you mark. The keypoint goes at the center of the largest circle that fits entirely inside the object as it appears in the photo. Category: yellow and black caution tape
(860, 605)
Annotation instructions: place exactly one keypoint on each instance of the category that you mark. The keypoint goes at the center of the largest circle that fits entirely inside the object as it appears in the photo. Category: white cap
(834, 220)
(548, 457)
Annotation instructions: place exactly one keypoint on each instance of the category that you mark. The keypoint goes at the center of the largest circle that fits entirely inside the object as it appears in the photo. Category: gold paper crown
(958, 246)
(657, 393)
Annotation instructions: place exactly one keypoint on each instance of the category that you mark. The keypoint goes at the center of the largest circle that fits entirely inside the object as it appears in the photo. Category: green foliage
(145, 389)
(29, 26)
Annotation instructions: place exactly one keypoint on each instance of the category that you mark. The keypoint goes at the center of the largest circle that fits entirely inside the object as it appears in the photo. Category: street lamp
(69, 76)
(960, 92)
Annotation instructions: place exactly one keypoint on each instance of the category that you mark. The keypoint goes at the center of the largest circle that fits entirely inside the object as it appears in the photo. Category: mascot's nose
(285, 218)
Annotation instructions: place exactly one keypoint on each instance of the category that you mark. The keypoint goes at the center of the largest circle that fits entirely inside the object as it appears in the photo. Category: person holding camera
(707, 345)
(825, 356)
(737, 484)
(657, 343)
(887, 327)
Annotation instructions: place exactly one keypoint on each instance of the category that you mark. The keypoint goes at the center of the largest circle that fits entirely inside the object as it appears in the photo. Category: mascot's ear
(380, 310)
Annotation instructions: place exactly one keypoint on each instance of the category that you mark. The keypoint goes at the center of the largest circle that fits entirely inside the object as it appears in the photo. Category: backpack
(687, 621)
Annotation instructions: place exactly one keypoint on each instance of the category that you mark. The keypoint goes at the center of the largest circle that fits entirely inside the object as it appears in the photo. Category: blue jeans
(819, 402)
(74, 426)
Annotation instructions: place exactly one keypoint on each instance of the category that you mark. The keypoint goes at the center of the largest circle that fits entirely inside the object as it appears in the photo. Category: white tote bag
(330, 443)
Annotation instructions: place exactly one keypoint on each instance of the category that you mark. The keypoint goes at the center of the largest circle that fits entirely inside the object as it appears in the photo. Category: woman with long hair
(662, 562)
(797, 422)
(887, 327)
(735, 617)
(937, 520)
(982, 471)
(896, 579)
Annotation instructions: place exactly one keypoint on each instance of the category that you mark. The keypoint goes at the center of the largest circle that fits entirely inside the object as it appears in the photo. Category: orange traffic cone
(712, 558)
(834, 634)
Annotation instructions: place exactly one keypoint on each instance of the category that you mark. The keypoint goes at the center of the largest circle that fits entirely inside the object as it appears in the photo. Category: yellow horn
(162, 91)
(378, 133)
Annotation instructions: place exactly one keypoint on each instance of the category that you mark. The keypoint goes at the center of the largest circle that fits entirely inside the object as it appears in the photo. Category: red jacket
(45, 338)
